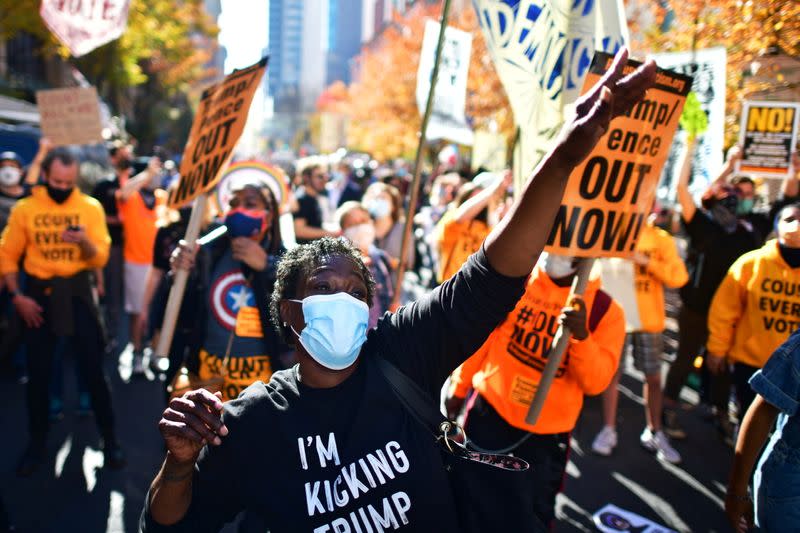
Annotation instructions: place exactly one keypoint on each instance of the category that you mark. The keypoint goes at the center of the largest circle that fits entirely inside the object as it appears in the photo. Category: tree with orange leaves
(381, 106)
(746, 28)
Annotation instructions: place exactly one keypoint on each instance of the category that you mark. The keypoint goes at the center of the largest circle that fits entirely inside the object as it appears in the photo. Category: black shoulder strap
(602, 301)
(411, 396)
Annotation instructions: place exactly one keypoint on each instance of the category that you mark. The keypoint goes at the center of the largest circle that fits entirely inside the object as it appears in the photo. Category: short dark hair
(300, 261)
(308, 171)
(63, 154)
(742, 179)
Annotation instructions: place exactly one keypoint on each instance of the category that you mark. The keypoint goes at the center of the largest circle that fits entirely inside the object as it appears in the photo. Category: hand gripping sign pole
(560, 343)
(412, 203)
(179, 281)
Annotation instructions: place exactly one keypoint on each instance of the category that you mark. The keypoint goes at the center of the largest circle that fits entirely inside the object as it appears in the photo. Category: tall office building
(285, 51)
(344, 38)
(217, 61)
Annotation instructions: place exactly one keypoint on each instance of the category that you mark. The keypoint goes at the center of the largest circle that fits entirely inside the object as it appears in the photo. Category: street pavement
(73, 493)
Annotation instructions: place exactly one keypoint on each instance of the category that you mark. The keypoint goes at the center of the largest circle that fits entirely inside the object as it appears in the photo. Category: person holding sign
(342, 462)
(506, 370)
(657, 264)
(62, 236)
(225, 314)
(757, 305)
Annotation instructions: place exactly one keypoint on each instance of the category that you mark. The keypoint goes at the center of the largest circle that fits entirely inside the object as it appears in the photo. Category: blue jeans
(777, 489)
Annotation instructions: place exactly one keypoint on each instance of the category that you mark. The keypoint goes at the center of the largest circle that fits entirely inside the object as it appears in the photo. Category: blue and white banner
(542, 50)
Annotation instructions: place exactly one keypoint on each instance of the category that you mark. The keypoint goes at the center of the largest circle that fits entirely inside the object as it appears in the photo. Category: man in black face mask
(62, 237)
(717, 237)
(105, 192)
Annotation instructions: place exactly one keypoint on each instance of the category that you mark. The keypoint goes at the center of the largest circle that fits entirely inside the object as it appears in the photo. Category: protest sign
(70, 116)
(768, 137)
(447, 119)
(707, 68)
(612, 519)
(609, 195)
(83, 26)
(217, 126)
(542, 50)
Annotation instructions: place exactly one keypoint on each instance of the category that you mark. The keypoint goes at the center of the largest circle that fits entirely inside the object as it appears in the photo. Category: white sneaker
(605, 441)
(659, 444)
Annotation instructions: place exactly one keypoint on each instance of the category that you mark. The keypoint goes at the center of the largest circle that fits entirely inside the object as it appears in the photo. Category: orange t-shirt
(139, 227)
(506, 370)
(457, 241)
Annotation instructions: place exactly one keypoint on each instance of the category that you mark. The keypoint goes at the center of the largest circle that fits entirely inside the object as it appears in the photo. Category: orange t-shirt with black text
(507, 369)
(139, 226)
(457, 241)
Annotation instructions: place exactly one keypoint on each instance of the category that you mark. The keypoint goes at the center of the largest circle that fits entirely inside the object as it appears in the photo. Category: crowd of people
(284, 337)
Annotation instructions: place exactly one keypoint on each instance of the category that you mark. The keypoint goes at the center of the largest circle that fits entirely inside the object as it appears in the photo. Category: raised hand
(612, 96)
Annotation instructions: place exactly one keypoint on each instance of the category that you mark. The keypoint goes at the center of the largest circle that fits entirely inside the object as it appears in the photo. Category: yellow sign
(609, 195)
(220, 120)
(769, 134)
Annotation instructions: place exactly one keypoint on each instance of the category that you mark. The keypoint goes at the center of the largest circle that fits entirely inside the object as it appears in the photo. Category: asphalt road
(73, 493)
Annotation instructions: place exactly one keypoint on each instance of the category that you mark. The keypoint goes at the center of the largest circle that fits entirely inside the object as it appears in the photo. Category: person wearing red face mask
(224, 328)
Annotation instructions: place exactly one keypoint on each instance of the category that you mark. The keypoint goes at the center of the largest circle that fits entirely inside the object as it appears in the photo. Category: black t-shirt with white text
(351, 458)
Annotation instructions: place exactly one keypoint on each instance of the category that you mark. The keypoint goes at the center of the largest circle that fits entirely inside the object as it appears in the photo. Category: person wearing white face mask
(385, 205)
(11, 188)
(327, 445)
(506, 370)
(358, 228)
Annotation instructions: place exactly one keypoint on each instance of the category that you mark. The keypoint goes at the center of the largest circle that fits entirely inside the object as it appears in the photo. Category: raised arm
(35, 168)
(516, 243)
(140, 180)
(688, 207)
(467, 211)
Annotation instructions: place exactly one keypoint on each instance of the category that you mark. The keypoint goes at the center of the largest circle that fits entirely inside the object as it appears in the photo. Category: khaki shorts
(135, 276)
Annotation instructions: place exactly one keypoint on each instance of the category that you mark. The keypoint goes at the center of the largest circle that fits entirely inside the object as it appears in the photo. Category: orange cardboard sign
(220, 120)
(609, 195)
(70, 116)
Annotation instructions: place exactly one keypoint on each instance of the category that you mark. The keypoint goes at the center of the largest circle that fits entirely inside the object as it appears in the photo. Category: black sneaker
(114, 457)
(31, 460)
(671, 426)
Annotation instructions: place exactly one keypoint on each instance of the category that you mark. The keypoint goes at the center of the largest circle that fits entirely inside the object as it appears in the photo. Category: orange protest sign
(609, 195)
(220, 120)
(70, 116)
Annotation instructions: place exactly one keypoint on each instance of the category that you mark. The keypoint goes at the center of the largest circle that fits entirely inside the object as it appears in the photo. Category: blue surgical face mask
(379, 208)
(336, 328)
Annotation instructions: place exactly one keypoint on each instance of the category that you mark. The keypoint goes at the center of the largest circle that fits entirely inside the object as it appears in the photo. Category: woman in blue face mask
(326, 445)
